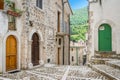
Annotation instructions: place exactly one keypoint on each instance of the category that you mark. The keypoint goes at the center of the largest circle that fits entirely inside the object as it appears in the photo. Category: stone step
(107, 54)
(80, 78)
(104, 52)
(101, 60)
(1, 78)
(110, 72)
(114, 63)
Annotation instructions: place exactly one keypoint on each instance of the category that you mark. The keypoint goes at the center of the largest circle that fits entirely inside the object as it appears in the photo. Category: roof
(66, 1)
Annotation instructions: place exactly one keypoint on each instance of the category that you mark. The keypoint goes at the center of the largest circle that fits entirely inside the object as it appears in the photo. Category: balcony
(60, 34)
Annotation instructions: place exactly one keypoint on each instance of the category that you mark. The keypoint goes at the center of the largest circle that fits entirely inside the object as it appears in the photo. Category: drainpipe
(69, 43)
(63, 27)
(62, 15)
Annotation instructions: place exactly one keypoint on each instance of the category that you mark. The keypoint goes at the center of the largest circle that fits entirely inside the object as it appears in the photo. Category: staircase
(101, 57)
(107, 63)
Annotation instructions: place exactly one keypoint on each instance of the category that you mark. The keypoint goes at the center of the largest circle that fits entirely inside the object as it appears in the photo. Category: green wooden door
(105, 39)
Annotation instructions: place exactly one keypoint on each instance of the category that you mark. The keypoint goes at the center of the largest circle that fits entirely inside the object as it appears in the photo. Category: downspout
(69, 42)
(63, 26)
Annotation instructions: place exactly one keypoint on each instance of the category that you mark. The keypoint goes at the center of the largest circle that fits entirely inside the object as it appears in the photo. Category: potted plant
(12, 10)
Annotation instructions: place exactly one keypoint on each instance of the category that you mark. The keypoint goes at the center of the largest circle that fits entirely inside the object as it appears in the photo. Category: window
(72, 58)
(1, 4)
(71, 49)
(58, 21)
(11, 19)
(39, 3)
(11, 23)
(59, 41)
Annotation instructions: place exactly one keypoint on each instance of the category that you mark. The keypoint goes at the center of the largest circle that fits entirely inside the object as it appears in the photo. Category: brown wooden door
(11, 53)
(35, 49)
(2, 4)
(59, 56)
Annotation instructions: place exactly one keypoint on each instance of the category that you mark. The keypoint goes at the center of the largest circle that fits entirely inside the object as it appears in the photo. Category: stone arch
(17, 37)
(30, 64)
(113, 26)
(35, 31)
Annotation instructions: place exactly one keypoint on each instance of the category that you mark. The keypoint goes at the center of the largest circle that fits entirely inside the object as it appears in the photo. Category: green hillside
(78, 24)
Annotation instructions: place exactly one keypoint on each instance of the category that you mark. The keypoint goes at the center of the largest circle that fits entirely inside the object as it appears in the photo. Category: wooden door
(11, 53)
(59, 56)
(35, 49)
(2, 4)
(105, 38)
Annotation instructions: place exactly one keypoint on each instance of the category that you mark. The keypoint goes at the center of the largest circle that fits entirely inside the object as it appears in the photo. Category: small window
(101, 28)
(11, 19)
(71, 49)
(59, 41)
(48, 60)
(72, 58)
(11, 23)
(39, 3)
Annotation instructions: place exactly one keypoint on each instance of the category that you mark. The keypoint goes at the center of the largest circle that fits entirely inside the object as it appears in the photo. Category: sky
(77, 4)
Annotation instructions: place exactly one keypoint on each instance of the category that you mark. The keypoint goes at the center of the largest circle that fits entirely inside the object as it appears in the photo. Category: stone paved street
(56, 73)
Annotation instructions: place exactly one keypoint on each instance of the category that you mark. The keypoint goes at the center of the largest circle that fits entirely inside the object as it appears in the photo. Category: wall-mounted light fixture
(31, 23)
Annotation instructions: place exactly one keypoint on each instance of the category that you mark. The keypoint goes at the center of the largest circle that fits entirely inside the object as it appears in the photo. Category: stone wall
(33, 20)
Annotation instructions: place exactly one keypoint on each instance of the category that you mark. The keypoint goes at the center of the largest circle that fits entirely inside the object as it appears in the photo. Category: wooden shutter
(1, 4)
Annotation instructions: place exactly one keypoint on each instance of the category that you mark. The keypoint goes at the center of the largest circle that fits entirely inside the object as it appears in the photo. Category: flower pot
(13, 13)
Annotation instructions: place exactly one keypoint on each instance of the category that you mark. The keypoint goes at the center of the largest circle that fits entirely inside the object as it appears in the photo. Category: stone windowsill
(41, 10)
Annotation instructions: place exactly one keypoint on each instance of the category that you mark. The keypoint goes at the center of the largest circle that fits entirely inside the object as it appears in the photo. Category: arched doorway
(35, 49)
(105, 38)
(11, 53)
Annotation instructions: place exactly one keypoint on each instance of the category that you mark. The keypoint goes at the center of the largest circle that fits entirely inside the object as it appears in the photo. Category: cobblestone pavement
(56, 73)
(114, 62)
(115, 73)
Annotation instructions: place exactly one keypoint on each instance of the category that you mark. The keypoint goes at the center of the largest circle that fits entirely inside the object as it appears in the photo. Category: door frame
(41, 55)
(95, 34)
(17, 37)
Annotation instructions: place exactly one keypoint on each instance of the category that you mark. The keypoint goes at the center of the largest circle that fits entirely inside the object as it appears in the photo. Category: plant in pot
(11, 10)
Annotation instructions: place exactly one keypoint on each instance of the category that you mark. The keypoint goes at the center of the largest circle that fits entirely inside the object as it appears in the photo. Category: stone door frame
(30, 65)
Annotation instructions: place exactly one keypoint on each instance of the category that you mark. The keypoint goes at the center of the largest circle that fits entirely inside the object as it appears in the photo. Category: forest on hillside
(79, 24)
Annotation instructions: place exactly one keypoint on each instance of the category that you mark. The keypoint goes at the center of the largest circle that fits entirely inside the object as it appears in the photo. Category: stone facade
(76, 52)
(43, 22)
(101, 12)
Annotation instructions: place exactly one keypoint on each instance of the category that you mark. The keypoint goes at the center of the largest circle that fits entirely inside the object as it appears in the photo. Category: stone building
(104, 26)
(76, 52)
(35, 36)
